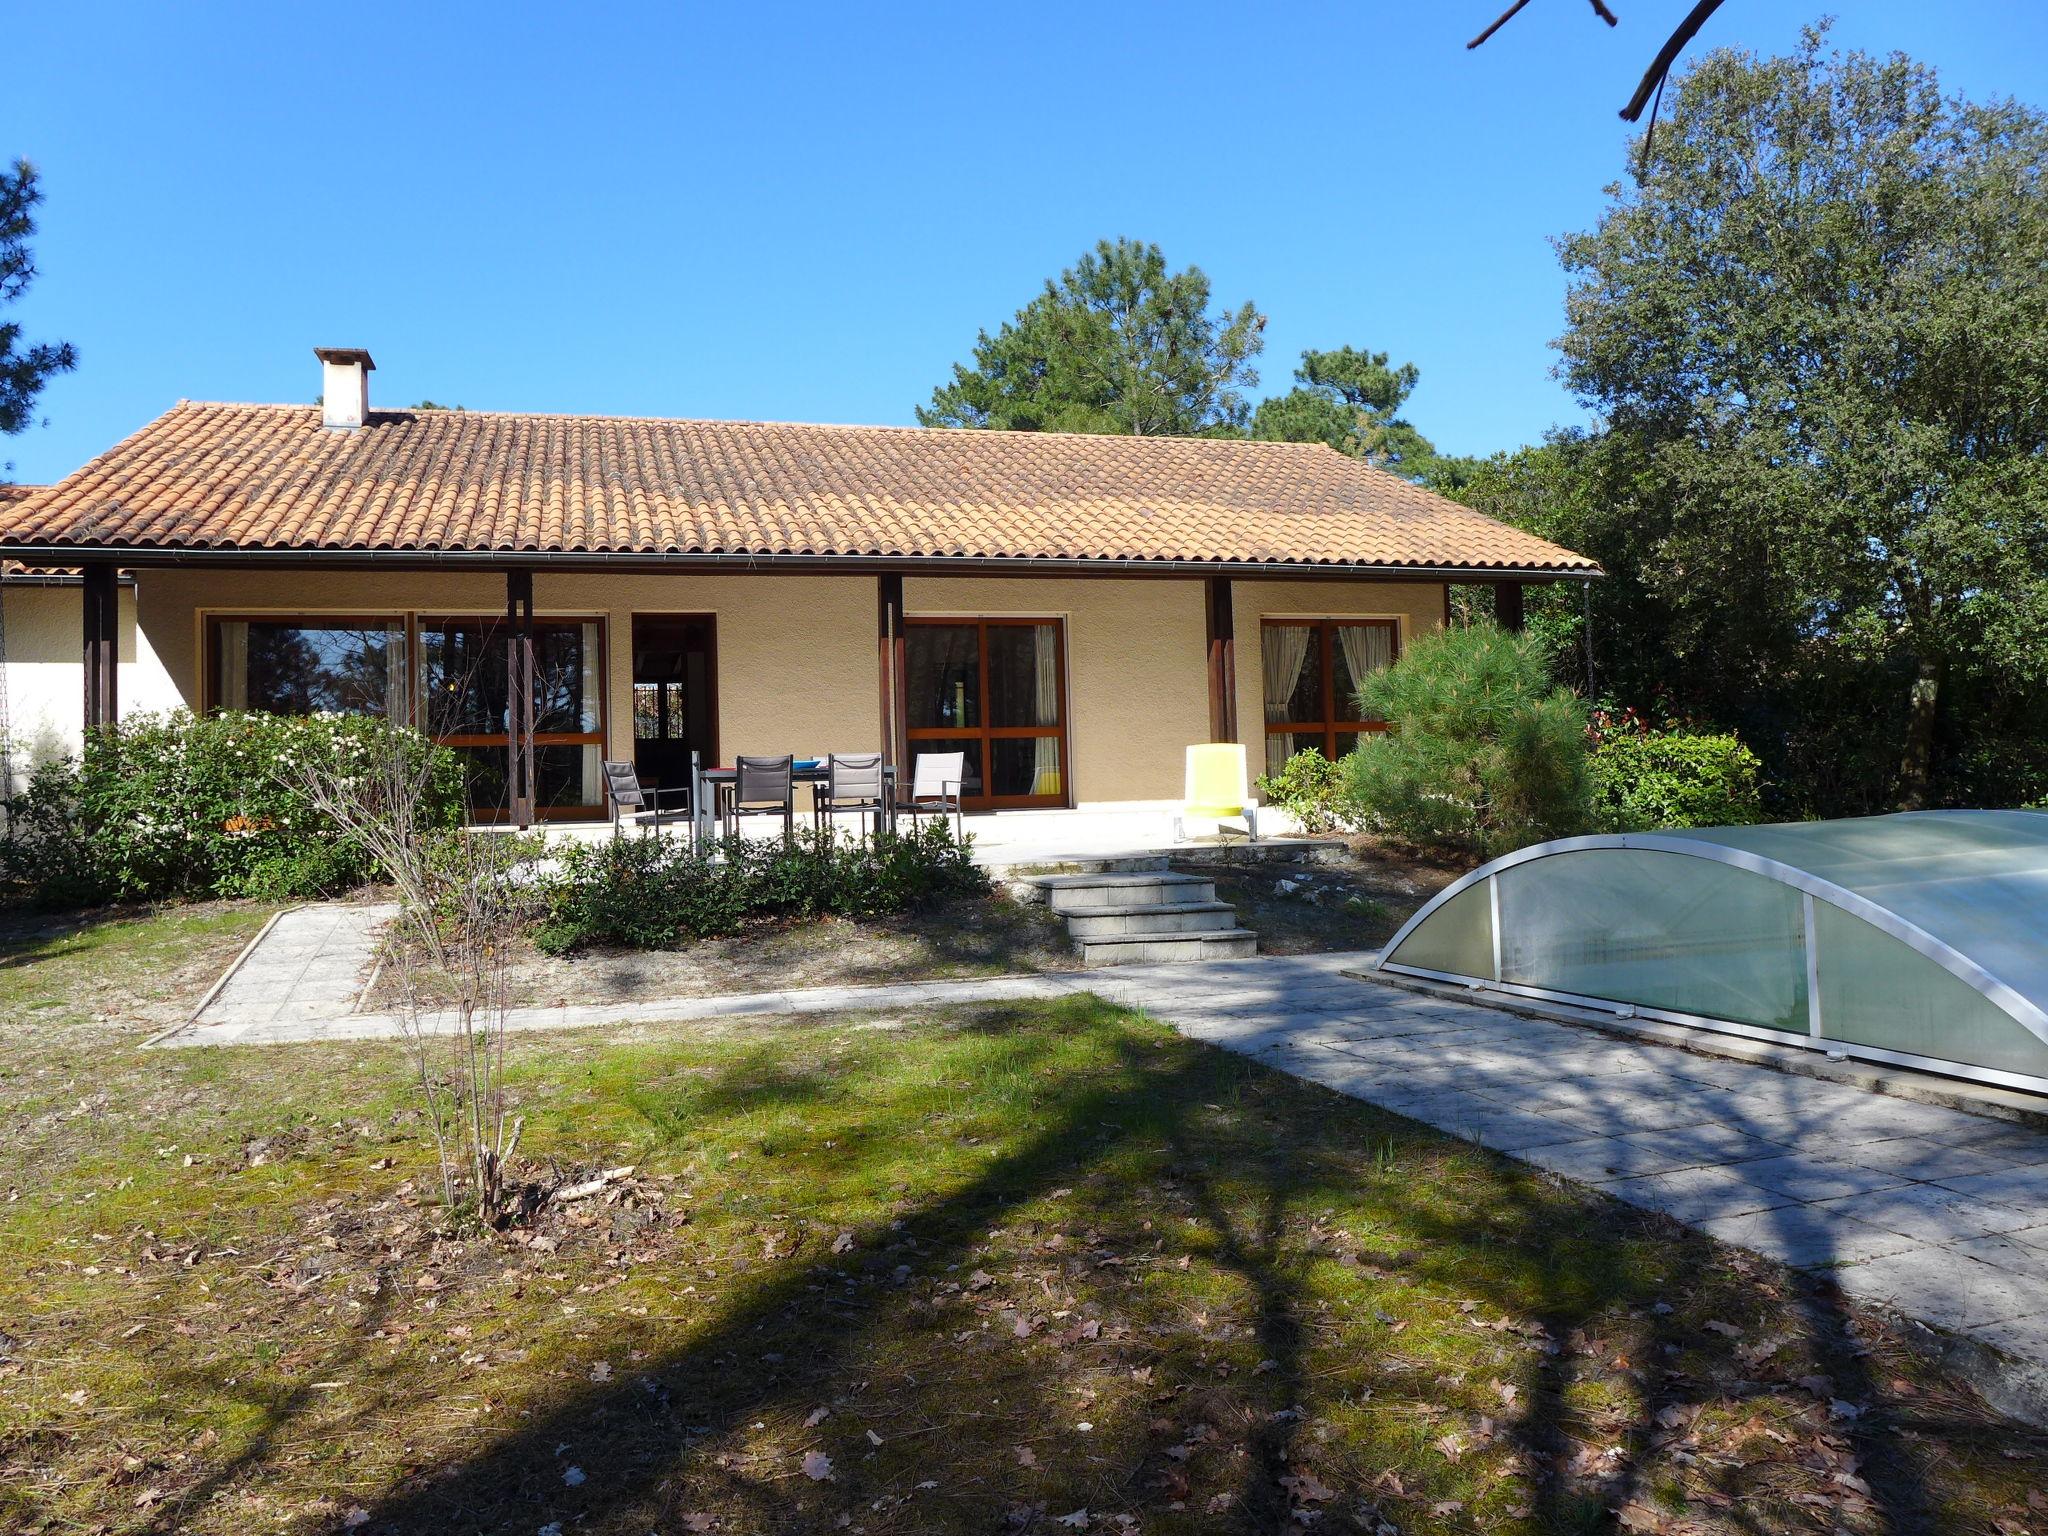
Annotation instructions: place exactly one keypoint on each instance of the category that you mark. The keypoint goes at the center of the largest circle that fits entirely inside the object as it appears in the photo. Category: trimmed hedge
(182, 805)
(637, 892)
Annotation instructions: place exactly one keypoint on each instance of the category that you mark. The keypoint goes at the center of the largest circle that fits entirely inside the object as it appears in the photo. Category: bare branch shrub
(463, 897)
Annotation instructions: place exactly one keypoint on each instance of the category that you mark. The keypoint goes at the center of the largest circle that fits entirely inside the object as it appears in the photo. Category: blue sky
(805, 212)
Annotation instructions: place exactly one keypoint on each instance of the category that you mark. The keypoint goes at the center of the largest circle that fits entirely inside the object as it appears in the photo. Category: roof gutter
(621, 560)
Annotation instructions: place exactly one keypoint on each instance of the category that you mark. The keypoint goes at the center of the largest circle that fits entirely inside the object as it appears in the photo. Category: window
(446, 675)
(1311, 670)
(306, 666)
(991, 689)
(466, 703)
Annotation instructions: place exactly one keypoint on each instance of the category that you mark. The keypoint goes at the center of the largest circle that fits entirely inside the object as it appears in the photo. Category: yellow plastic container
(1216, 782)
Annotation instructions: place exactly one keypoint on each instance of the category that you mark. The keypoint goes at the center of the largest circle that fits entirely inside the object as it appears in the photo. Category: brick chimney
(344, 387)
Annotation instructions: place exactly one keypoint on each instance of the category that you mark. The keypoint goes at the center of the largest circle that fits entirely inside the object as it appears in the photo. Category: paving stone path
(305, 969)
(1940, 1213)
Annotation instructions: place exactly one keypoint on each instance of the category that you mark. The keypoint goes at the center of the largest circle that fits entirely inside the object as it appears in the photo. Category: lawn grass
(979, 1270)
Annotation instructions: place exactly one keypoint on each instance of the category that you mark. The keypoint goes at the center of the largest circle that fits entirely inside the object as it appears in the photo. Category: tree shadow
(786, 1336)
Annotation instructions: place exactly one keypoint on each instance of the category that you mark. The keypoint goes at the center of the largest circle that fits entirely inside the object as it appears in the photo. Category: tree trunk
(1916, 768)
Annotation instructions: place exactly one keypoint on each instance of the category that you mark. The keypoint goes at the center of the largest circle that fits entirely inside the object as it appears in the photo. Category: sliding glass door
(993, 690)
(466, 704)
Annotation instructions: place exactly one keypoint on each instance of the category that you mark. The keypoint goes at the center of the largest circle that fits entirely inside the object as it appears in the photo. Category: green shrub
(1484, 753)
(650, 893)
(179, 805)
(1645, 779)
(1306, 788)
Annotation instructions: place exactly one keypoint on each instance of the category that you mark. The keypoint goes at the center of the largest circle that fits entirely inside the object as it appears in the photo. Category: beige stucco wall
(45, 678)
(796, 654)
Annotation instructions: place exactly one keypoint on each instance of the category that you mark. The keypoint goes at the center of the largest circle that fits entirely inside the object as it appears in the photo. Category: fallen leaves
(817, 1466)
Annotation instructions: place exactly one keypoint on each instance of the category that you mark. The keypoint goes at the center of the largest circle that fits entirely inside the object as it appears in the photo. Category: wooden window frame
(1330, 727)
(987, 734)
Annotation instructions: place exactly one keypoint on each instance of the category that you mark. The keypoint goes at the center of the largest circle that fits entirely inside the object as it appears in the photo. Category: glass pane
(944, 675)
(1023, 674)
(646, 712)
(462, 677)
(970, 782)
(1662, 930)
(1876, 990)
(1457, 938)
(1347, 742)
(1281, 745)
(566, 776)
(565, 682)
(483, 775)
(1357, 651)
(1025, 766)
(1291, 661)
(302, 668)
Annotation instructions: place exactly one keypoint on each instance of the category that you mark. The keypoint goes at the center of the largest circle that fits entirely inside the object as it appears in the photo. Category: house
(1070, 611)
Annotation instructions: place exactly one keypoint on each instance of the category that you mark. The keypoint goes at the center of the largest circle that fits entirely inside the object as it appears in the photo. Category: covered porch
(1072, 690)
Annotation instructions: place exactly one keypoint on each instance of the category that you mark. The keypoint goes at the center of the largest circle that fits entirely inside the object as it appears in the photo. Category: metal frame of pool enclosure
(1918, 939)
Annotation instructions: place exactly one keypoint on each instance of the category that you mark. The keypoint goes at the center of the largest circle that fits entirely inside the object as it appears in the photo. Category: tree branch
(1508, 15)
(1499, 21)
(1660, 66)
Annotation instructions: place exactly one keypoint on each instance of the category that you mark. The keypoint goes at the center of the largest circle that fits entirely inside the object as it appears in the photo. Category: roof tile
(271, 477)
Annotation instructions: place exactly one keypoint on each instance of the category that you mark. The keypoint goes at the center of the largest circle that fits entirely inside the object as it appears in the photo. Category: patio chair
(628, 796)
(935, 780)
(852, 783)
(765, 786)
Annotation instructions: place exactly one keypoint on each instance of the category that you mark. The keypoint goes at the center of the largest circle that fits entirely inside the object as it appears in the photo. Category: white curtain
(234, 666)
(1046, 762)
(1367, 648)
(397, 676)
(593, 690)
(1284, 651)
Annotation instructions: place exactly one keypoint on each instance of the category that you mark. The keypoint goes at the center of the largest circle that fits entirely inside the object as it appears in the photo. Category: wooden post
(519, 686)
(1507, 604)
(892, 653)
(102, 605)
(1222, 659)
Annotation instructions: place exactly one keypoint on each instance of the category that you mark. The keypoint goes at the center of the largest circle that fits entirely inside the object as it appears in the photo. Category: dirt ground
(1349, 900)
(957, 940)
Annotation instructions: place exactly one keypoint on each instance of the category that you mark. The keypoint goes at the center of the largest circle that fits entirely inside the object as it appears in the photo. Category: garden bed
(974, 936)
(1037, 1268)
(1353, 899)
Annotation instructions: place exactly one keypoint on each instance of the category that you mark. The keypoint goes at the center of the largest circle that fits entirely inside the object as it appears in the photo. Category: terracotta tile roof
(270, 477)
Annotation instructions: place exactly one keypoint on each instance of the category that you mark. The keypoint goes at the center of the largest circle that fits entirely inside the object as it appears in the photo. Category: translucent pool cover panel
(1457, 940)
(1661, 930)
(1930, 930)
(1879, 992)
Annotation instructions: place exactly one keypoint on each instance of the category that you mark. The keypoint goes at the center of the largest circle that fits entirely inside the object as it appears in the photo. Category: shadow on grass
(802, 1332)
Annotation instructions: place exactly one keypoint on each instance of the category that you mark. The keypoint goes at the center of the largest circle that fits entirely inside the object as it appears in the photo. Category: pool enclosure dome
(1919, 938)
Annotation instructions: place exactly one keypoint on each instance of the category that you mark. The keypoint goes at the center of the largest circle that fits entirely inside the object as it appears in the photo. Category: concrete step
(1035, 865)
(1159, 948)
(1066, 892)
(1150, 917)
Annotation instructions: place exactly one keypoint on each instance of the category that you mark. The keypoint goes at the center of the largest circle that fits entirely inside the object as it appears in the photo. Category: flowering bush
(180, 805)
(651, 892)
